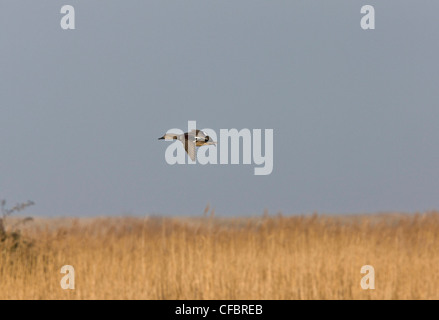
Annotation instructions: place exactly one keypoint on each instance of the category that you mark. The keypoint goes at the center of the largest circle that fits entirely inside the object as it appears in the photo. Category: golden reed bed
(271, 257)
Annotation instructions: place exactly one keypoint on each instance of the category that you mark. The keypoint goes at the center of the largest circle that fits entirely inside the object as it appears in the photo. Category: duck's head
(208, 141)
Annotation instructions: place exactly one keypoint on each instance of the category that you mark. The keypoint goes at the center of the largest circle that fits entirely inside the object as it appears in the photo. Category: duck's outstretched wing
(189, 146)
(197, 134)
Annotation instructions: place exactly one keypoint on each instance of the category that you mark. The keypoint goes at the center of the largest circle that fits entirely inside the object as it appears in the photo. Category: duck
(191, 140)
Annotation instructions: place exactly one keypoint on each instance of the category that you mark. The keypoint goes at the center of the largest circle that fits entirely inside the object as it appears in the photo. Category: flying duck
(190, 140)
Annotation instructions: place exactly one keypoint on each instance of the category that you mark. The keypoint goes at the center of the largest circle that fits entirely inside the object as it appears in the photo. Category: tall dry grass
(305, 257)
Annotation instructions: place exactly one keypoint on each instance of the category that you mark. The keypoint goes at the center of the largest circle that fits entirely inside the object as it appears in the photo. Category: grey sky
(355, 113)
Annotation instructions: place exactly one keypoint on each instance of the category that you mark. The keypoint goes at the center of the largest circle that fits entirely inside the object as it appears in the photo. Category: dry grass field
(270, 257)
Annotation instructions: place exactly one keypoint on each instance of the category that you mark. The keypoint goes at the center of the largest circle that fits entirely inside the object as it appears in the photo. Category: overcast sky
(355, 113)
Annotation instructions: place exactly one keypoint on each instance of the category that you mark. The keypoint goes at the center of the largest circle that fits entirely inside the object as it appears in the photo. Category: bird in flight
(190, 140)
